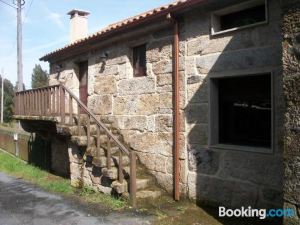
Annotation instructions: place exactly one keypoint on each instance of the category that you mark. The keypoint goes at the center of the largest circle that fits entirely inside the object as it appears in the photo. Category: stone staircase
(107, 163)
(97, 158)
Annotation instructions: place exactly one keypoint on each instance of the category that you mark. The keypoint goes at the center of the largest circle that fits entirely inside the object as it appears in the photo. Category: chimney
(79, 24)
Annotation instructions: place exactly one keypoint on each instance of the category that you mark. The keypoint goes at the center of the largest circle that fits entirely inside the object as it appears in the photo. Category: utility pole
(2, 94)
(20, 3)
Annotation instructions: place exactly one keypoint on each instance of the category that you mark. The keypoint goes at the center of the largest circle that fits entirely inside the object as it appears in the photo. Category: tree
(39, 77)
(8, 100)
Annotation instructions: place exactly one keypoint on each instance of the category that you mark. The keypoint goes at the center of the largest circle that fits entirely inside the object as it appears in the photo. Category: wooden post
(133, 178)
(49, 101)
(62, 105)
(57, 100)
(108, 155)
(53, 100)
(120, 168)
(88, 131)
(70, 110)
(98, 140)
(78, 122)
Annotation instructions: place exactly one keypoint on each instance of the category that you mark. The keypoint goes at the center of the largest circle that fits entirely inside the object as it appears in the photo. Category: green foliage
(8, 100)
(39, 77)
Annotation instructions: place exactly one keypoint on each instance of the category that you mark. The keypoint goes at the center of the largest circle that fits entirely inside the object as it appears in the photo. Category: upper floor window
(239, 16)
(139, 61)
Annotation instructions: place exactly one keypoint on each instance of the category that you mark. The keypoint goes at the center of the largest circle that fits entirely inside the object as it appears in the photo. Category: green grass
(49, 182)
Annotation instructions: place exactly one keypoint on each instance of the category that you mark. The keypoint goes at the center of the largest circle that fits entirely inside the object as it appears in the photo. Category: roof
(125, 24)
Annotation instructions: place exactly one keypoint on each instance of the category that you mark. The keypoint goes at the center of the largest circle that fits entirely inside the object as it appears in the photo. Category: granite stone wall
(140, 107)
(291, 81)
(231, 175)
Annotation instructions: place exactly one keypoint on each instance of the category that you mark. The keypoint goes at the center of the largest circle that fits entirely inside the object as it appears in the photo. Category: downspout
(176, 109)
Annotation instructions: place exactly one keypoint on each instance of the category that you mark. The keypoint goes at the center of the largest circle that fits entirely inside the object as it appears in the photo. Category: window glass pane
(245, 110)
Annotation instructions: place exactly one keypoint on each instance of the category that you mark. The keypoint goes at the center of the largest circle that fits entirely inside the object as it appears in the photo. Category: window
(239, 16)
(139, 61)
(244, 111)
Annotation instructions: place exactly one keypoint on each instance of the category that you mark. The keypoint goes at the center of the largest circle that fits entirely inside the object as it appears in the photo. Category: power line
(8, 4)
(26, 14)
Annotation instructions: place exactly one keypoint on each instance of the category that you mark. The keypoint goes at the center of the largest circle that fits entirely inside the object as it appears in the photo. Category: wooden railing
(51, 101)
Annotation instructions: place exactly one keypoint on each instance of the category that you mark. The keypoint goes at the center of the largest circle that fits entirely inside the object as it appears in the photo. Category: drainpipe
(176, 113)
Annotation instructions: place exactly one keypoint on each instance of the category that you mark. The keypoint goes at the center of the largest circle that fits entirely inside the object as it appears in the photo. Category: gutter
(176, 108)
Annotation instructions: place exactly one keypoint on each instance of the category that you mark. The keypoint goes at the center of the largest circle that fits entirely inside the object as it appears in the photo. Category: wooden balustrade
(51, 102)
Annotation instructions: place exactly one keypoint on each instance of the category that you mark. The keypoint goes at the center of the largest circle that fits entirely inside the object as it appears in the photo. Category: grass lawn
(49, 182)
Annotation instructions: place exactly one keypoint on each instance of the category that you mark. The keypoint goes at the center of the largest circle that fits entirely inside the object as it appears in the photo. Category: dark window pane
(243, 17)
(139, 61)
(245, 110)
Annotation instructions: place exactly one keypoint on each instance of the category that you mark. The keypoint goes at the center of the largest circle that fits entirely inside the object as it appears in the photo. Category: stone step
(84, 119)
(142, 194)
(82, 140)
(121, 188)
(73, 130)
(103, 151)
(113, 173)
(102, 161)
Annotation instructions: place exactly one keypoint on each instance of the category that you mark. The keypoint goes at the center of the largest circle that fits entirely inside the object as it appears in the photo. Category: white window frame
(215, 16)
(214, 111)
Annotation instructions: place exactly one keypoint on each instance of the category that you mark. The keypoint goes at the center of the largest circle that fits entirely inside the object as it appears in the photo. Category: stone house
(195, 88)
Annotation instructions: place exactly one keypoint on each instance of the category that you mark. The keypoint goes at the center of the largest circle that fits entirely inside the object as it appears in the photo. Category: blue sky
(46, 27)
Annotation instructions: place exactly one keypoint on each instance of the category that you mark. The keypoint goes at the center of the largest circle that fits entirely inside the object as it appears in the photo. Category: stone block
(163, 123)
(198, 134)
(76, 170)
(215, 191)
(165, 103)
(162, 67)
(197, 113)
(105, 85)
(164, 180)
(100, 104)
(198, 92)
(105, 190)
(151, 123)
(132, 122)
(239, 60)
(256, 168)
(195, 79)
(146, 104)
(203, 161)
(152, 55)
(75, 154)
(160, 163)
(163, 33)
(147, 159)
(125, 71)
(164, 79)
(155, 143)
(136, 85)
(190, 65)
(108, 70)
